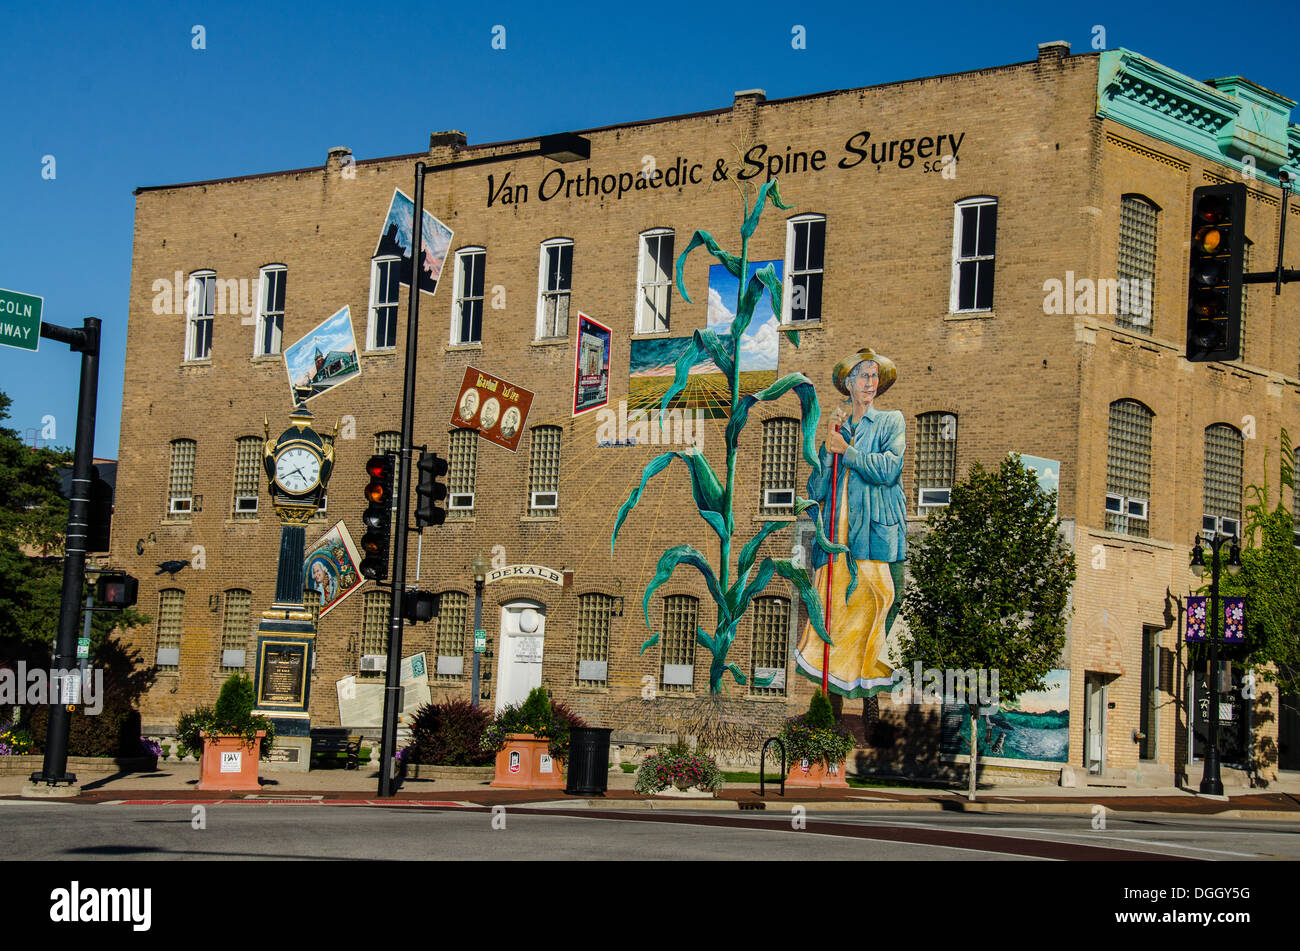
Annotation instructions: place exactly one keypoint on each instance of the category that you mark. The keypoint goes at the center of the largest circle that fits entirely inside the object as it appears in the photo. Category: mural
(397, 237)
(323, 359)
(331, 568)
(591, 374)
(1035, 728)
(495, 407)
(1048, 472)
(653, 363)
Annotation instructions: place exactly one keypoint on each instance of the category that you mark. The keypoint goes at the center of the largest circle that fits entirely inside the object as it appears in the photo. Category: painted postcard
(397, 236)
(591, 375)
(1034, 729)
(332, 569)
(324, 358)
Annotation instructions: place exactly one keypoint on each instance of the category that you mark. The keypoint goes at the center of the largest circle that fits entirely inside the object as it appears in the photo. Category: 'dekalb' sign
(20, 320)
(525, 573)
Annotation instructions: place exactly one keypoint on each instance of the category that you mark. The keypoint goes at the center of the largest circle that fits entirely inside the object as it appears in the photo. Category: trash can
(588, 765)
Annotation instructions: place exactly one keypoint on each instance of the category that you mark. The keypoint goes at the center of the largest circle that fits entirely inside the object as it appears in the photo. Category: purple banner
(1234, 620)
(1196, 618)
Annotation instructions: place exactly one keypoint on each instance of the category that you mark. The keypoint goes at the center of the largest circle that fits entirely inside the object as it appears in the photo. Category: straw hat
(888, 372)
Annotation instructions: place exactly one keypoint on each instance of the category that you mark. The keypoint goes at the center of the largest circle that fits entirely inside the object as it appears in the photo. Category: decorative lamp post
(1211, 782)
(480, 567)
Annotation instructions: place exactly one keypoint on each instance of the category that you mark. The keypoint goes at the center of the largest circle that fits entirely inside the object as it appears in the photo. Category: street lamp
(1211, 782)
(480, 567)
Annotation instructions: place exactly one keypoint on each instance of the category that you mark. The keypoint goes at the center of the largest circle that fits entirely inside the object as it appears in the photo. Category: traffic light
(378, 518)
(429, 492)
(99, 519)
(419, 606)
(1214, 274)
(117, 590)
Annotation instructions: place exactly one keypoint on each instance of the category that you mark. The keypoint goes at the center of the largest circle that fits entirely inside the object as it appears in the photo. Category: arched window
(544, 472)
(453, 615)
(180, 483)
(236, 627)
(654, 280)
(594, 613)
(248, 476)
(1128, 468)
(681, 613)
(171, 610)
(780, 461)
(1224, 454)
(1136, 268)
(554, 285)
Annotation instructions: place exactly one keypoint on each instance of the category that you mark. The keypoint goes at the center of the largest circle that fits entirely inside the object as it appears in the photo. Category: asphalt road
(246, 831)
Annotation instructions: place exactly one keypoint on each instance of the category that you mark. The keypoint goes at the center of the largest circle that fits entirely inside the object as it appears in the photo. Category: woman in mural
(324, 580)
(871, 519)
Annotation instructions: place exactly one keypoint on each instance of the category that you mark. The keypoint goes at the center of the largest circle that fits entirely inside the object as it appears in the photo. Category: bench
(332, 741)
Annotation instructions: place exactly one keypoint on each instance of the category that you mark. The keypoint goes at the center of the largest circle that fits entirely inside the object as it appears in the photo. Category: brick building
(930, 218)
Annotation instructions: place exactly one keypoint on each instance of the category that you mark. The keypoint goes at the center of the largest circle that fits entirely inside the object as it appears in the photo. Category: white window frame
(921, 492)
(534, 496)
(372, 323)
(1126, 506)
(264, 311)
(196, 312)
(954, 292)
(461, 501)
(642, 257)
(543, 291)
(790, 273)
(1219, 523)
(458, 298)
(769, 494)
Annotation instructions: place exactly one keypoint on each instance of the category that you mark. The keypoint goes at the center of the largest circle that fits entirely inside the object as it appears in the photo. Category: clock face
(297, 471)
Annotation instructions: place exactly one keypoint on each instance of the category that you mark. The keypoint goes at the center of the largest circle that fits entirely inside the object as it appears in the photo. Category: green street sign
(480, 641)
(20, 320)
(83, 647)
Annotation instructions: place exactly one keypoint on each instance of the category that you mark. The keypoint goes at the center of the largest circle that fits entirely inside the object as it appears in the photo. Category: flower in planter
(677, 766)
(816, 736)
(15, 741)
(538, 715)
(150, 747)
(231, 716)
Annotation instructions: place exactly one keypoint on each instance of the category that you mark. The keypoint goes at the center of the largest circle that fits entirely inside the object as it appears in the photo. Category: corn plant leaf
(766, 568)
(793, 337)
(668, 562)
(704, 238)
(749, 553)
(650, 642)
(705, 640)
(764, 681)
(763, 279)
(656, 465)
(799, 578)
(704, 343)
(825, 544)
(735, 672)
(769, 190)
(810, 411)
(710, 499)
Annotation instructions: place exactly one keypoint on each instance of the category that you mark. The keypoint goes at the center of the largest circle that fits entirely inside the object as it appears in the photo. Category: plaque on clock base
(283, 690)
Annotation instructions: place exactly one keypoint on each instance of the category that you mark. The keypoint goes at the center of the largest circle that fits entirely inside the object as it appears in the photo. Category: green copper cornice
(1230, 121)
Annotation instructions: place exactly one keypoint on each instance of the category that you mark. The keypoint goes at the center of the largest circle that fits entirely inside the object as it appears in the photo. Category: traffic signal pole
(392, 682)
(54, 769)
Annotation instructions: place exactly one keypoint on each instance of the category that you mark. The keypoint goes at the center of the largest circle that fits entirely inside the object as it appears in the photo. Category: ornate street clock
(298, 468)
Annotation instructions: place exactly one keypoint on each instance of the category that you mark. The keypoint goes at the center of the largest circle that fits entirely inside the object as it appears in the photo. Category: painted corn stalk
(734, 586)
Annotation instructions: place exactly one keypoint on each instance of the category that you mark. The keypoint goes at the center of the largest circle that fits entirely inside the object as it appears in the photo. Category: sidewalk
(175, 782)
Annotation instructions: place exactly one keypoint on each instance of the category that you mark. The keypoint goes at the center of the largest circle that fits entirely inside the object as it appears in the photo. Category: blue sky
(121, 99)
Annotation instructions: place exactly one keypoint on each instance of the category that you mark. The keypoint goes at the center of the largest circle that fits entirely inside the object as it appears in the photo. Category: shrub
(448, 734)
(539, 715)
(677, 766)
(827, 745)
(232, 716)
(820, 716)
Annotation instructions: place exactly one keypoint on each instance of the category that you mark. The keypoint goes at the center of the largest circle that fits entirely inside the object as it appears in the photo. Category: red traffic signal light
(117, 591)
(1214, 273)
(377, 518)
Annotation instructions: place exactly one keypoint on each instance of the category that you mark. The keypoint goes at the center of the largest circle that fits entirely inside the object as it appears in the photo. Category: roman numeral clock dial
(297, 471)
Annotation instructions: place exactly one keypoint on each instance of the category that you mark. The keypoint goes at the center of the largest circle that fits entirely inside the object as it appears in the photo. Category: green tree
(990, 586)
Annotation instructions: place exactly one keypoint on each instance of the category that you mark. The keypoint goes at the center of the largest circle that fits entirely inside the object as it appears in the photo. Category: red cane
(830, 572)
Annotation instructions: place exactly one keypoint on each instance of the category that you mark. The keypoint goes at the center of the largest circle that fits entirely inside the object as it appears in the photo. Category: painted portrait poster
(331, 565)
(323, 359)
(653, 362)
(397, 236)
(591, 370)
(859, 491)
(497, 408)
(1034, 729)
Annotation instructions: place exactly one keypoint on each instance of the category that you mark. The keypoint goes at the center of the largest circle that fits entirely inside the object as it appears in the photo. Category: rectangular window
(805, 261)
(594, 613)
(974, 239)
(374, 633)
(1137, 264)
(768, 648)
(467, 308)
(936, 459)
(1128, 468)
(388, 441)
(385, 283)
(462, 468)
(201, 305)
(270, 318)
(654, 281)
(1223, 476)
(680, 619)
(555, 284)
(180, 488)
(453, 614)
(235, 628)
(171, 608)
(780, 459)
(248, 476)
(544, 472)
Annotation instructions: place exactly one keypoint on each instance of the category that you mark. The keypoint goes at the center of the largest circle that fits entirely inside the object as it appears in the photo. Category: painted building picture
(323, 359)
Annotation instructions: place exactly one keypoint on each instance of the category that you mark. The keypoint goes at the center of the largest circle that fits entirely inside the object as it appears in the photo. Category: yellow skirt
(857, 630)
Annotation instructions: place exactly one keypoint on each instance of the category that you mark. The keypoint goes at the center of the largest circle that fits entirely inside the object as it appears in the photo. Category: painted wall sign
(495, 407)
(324, 358)
(591, 370)
(525, 573)
(397, 236)
(331, 568)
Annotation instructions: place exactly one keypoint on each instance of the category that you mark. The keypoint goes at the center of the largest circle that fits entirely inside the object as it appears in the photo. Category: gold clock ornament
(298, 466)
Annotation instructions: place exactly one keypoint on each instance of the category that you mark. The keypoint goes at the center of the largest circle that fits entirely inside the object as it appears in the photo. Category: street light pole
(1211, 781)
(479, 566)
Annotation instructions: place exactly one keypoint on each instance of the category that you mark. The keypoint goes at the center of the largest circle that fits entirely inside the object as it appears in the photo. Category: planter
(25, 763)
(228, 763)
(807, 775)
(525, 762)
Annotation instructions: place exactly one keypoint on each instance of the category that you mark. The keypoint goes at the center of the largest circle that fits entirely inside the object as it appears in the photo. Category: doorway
(519, 655)
(1094, 724)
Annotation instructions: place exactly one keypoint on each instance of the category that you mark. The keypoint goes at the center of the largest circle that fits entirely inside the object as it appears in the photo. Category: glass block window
(974, 240)
(385, 283)
(1224, 452)
(780, 460)
(1128, 468)
(678, 641)
(171, 607)
(180, 483)
(936, 459)
(805, 265)
(467, 306)
(544, 472)
(1245, 299)
(453, 616)
(270, 316)
(387, 442)
(654, 281)
(768, 647)
(555, 282)
(594, 613)
(236, 622)
(1137, 263)
(374, 625)
(462, 469)
(201, 306)
(248, 476)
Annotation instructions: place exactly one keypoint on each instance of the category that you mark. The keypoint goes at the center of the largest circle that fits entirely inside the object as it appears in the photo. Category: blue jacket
(873, 465)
